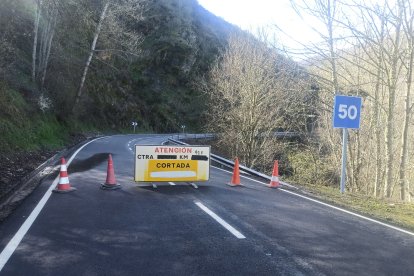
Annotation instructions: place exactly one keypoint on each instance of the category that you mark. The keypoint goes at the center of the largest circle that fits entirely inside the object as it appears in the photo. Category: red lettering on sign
(173, 150)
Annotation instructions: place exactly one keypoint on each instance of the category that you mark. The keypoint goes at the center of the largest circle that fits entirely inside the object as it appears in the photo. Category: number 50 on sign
(347, 112)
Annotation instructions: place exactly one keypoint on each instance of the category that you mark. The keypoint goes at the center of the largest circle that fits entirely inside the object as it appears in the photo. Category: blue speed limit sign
(347, 112)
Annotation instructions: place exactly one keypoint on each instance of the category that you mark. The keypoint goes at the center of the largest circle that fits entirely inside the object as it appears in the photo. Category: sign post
(344, 147)
(347, 114)
(134, 124)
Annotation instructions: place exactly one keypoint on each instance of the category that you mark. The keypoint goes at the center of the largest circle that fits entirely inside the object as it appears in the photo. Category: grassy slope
(22, 128)
(393, 212)
(398, 213)
(162, 101)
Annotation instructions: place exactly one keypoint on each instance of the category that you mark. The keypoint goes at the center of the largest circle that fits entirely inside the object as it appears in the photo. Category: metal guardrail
(179, 136)
(230, 164)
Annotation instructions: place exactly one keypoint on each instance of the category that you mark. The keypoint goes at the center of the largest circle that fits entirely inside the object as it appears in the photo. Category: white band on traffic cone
(275, 178)
(64, 180)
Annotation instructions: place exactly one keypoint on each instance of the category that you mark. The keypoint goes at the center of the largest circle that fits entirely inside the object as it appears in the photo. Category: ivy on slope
(182, 39)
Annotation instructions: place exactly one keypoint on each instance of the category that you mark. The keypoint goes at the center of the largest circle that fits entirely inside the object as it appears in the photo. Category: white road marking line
(171, 183)
(334, 207)
(230, 228)
(17, 238)
(254, 180)
(240, 175)
(351, 213)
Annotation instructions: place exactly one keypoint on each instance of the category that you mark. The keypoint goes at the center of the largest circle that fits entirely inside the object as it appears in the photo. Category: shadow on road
(88, 163)
(172, 190)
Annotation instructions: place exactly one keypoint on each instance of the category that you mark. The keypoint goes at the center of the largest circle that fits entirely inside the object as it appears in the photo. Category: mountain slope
(153, 84)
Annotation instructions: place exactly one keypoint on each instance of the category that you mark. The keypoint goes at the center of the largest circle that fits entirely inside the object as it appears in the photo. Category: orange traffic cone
(274, 182)
(110, 183)
(235, 180)
(64, 185)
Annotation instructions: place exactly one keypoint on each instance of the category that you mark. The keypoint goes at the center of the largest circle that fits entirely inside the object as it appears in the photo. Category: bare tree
(322, 61)
(369, 63)
(392, 73)
(48, 32)
(377, 32)
(408, 20)
(35, 39)
(326, 11)
(250, 87)
(114, 21)
(91, 53)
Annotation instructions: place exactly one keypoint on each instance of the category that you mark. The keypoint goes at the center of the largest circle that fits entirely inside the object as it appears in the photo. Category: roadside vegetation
(105, 63)
(364, 50)
(369, 55)
(387, 210)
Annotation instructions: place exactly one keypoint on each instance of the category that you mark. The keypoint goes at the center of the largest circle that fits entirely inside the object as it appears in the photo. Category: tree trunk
(392, 87)
(48, 48)
(91, 53)
(389, 144)
(378, 130)
(36, 31)
(404, 184)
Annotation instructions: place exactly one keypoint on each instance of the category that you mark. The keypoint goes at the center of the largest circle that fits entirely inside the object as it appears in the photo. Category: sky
(250, 14)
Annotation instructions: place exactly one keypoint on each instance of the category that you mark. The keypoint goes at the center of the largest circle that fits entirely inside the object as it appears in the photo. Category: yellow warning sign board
(172, 163)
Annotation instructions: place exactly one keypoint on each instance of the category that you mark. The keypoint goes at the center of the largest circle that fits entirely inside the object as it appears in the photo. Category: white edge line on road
(230, 228)
(171, 183)
(254, 180)
(333, 207)
(17, 238)
(351, 213)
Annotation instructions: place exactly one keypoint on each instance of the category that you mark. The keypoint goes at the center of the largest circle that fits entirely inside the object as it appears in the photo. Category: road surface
(179, 230)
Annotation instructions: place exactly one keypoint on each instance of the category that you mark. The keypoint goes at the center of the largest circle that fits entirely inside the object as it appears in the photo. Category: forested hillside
(67, 66)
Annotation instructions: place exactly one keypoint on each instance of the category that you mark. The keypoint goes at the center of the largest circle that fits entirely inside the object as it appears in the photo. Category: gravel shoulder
(21, 172)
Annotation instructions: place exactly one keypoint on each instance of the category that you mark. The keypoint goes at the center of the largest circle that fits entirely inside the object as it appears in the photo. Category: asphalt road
(178, 230)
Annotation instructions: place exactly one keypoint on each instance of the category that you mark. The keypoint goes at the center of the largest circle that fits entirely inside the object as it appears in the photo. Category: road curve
(179, 230)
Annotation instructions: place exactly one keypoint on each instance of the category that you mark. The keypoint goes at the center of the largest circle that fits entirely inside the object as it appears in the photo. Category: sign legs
(193, 184)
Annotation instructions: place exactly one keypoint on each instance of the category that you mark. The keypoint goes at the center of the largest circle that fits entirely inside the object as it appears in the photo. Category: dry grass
(393, 212)
(389, 211)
